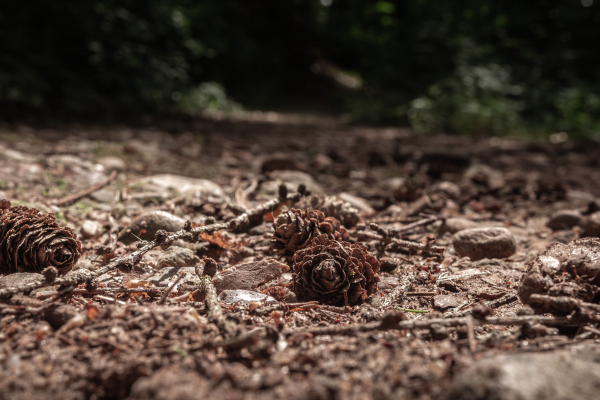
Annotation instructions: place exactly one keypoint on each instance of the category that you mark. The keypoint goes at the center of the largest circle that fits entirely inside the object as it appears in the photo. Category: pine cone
(332, 207)
(294, 229)
(31, 241)
(335, 272)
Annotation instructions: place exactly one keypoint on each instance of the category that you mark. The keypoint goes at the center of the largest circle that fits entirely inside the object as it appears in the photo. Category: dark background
(468, 67)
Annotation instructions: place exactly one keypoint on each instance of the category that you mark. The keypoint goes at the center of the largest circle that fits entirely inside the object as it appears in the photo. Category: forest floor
(456, 223)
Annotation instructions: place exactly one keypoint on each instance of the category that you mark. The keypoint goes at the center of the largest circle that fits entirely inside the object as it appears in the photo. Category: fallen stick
(162, 239)
(432, 249)
(423, 222)
(566, 305)
(163, 298)
(215, 314)
(74, 197)
(150, 291)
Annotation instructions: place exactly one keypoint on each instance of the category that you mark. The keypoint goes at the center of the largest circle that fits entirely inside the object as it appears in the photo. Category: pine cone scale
(294, 229)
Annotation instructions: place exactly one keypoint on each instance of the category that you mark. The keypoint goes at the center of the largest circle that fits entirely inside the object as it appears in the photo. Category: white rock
(293, 179)
(112, 163)
(361, 204)
(245, 297)
(90, 229)
(185, 186)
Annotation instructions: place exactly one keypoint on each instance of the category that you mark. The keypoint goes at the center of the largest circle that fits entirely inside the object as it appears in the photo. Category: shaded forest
(467, 67)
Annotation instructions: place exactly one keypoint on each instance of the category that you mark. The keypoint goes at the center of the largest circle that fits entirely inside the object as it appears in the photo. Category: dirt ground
(134, 333)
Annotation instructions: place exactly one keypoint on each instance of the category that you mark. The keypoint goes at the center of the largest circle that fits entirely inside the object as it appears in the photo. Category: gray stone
(152, 257)
(158, 195)
(75, 145)
(280, 161)
(262, 229)
(245, 297)
(147, 224)
(178, 257)
(580, 196)
(249, 275)
(290, 297)
(591, 225)
(482, 243)
(58, 314)
(564, 219)
(444, 301)
(14, 155)
(360, 204)
(167, 276)
(85, 178)
(293, 179)
(19, 278)
(457, 224)
(450, 189)
(112, 163)
(393, 183)
(90, 229)
(185, 186)
(321, 162)
(388, 282)
(84, 263)
(104, 196)
(169, 383)
(485, 175)
(572, 374)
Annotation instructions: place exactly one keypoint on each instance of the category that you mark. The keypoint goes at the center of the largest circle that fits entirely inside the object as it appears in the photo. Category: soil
(118, 341)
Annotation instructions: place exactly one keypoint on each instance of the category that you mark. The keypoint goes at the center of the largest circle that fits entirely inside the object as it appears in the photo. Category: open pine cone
(335, 272)
(331, 206)
(294, 229)
(30, 241)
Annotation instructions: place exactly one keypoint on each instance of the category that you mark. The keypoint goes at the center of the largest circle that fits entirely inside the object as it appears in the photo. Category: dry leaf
(138, 283)
(220, 240)
(271, 215)
(92, 311)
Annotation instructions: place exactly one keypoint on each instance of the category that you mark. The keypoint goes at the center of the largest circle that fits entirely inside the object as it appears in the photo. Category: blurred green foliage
(477, 67)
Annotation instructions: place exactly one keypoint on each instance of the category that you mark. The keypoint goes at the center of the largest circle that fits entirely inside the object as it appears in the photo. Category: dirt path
(448, 226)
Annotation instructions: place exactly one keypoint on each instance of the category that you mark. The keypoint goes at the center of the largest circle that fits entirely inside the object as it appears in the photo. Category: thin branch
(423, 222)
(163, 298)
(215, 314)
(431, 249)
(191, 235)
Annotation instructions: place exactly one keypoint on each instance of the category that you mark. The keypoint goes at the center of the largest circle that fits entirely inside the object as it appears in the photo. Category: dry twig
(65, 201)
(162, 239)
(215, 313)
(425, 249)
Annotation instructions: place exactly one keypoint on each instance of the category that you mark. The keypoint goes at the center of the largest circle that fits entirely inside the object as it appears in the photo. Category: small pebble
(564, 219)
(178, 257)
(591, 225)
(112, 163)
(90, 229)
(147, 224)
(249, 275)
(457, 224)
(482, 243)
(245, 297)
(561, 374)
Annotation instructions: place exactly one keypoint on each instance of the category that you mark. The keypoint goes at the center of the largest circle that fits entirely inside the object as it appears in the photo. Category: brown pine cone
(294, 229)
(334, 272)
(332, 207)
(30, 241)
